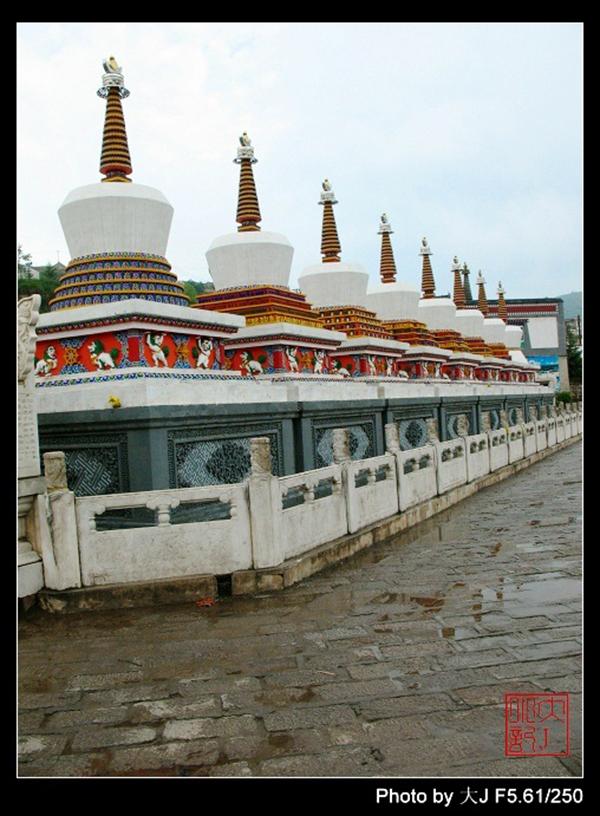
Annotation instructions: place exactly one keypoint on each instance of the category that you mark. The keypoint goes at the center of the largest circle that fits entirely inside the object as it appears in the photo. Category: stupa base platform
(490, 369)
(372, 357)
(131, 333)
(354, 321)
(425, 362)
(281, 348)
(261, 304)
(462, 366)
(410, 331)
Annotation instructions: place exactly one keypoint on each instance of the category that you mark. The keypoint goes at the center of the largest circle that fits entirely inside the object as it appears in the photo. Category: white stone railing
(560, 429)
(451, 464)
(498, 444)
(515, 443)
(415, 474)
(159, 540)
(320, 516)
(541, 434)
(551, 430)
(569, 422)
(371, 490)
(478, 456)
(262, 522)
(529, 438)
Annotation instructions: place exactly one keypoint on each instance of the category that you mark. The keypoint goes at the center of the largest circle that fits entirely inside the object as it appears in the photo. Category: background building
(544, 334)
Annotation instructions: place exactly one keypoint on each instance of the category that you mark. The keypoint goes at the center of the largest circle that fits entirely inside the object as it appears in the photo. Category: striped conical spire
(115, 162)
(330, 243)
(482, 303)
(248, 212)
(458, 295)
(427, 281)
(502, 310)
(387, 267)
(466, 283)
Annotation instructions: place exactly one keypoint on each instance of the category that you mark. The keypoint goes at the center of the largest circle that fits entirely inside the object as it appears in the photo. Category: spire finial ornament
(115, 161)
(482, 303)
(248, 211)
(427, 281)
(458, 295)
(467, 284)
(502, 310)
(387, 266)
(330, 243)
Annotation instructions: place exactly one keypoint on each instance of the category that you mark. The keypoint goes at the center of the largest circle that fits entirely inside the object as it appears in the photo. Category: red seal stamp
(536, 724)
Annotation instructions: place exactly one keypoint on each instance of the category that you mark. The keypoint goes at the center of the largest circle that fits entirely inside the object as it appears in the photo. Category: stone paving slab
(392, 663)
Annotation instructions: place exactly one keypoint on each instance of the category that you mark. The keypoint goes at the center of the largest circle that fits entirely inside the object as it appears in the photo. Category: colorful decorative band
(116, 283)
(90, 300)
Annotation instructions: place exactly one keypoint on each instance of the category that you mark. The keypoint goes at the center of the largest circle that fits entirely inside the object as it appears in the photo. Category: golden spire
(115, 162)
(459, 293)
(387, 267)
(427, 281)
(482, 303)
(502, 310)
(330, 243)
(248, 212)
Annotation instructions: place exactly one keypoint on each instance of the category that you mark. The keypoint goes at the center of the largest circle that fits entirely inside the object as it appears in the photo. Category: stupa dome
(100, 218)
(438, 313)
(393, 301)
(249, 257)
(469, 322)
(513, 337)
(334, 284)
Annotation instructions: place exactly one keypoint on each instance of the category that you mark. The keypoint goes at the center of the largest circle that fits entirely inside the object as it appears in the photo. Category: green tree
(573, 357)
(194, 288)
(190, 290)
(44, 285)
(23, 263)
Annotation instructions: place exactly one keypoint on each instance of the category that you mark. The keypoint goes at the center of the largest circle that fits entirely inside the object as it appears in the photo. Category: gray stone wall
(186, 446)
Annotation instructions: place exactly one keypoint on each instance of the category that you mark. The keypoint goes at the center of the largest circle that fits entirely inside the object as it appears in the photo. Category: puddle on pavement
(532, 592)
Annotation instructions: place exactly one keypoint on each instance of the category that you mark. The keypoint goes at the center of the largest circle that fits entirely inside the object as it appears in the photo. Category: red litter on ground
(205, 602)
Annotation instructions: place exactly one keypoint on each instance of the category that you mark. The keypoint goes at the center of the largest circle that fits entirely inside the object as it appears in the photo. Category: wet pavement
(394, 663)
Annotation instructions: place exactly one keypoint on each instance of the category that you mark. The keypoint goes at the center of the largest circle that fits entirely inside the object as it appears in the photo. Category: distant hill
(572, 304)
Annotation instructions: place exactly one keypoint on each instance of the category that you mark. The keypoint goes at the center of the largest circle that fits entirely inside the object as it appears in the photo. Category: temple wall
(166, 446)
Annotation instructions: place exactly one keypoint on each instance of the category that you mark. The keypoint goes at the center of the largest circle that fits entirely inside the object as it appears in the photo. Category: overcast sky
(467, 134)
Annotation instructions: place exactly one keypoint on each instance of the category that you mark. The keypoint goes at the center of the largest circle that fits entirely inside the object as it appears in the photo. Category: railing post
(342, 457)
(392, 438)
(265, 506)
(60, 545)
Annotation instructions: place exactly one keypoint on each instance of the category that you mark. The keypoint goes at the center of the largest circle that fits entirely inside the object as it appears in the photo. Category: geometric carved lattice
(458, 425)
(494, 419)
(360, 441)
(93, 471)
(513, 416)
(412, 433)
(216, 461)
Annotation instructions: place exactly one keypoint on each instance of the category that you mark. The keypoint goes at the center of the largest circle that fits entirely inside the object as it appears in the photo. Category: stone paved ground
(394, 663)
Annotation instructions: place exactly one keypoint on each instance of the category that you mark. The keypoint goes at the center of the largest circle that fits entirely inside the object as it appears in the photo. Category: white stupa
(494, 328)
(249, 257)
(116, 231)
(333, 282)
(391, 299)
(437, 313)
(512, 334)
